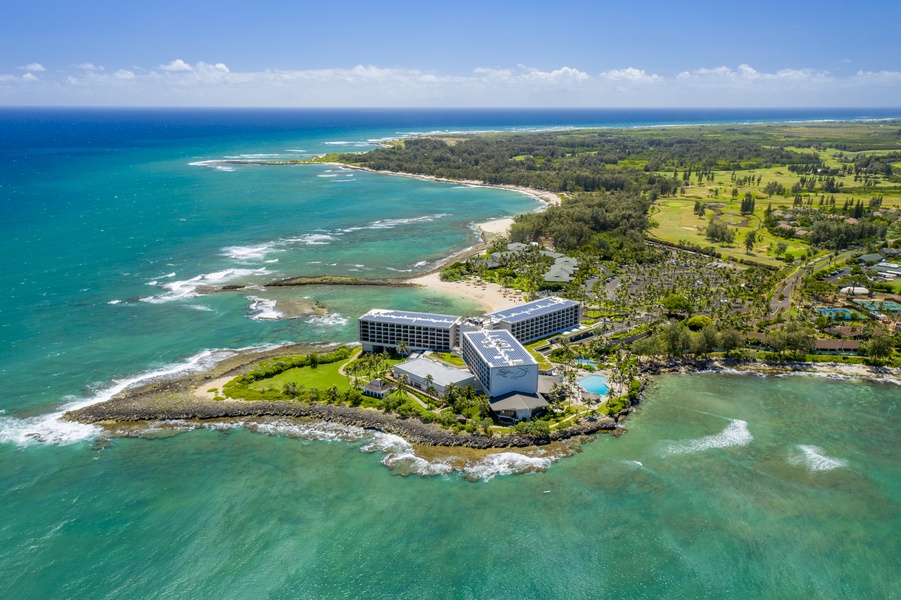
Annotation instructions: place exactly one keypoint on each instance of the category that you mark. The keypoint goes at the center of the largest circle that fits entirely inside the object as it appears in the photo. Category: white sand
(490, 295)
(498, 227)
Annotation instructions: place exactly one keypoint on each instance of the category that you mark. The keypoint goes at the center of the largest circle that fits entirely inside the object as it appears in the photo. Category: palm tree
(402, 348)
(429, 388)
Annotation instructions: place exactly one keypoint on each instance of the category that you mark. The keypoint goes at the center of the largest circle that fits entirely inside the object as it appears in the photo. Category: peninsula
(772, 248)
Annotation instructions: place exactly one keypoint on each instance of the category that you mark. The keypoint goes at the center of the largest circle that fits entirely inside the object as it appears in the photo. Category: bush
(533, 428)
(698, 322)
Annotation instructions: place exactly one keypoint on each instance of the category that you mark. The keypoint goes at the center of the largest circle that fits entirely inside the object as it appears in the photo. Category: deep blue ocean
(112, 222)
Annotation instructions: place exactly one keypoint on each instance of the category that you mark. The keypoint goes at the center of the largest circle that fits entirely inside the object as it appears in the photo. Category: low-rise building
(514, 406)
(423, 372)
(499, 362)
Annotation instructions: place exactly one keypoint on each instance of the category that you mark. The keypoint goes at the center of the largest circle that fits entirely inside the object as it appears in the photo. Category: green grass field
(322, 377)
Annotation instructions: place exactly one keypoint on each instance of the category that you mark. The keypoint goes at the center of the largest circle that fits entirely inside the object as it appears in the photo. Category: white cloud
(179, 83)
(38, 67)
(630, 74)
(878, 76)
(176, 65)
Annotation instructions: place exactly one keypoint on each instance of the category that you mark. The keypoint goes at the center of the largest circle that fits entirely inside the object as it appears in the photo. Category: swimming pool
(595, 384)
(586, 362)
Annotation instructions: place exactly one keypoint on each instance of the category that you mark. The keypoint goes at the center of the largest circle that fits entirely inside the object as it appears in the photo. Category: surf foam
(177, 290)
(735, 434)
(815, 459)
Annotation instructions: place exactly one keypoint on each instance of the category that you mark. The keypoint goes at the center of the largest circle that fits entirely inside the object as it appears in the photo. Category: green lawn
(450, 358)
(677, 221)
(542, 361)
(322, 377)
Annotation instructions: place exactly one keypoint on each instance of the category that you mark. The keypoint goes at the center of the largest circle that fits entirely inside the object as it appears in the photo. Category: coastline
(185, 399)
(548, 198)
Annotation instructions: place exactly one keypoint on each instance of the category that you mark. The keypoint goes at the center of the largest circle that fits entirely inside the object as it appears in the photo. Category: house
(377, 388)
(837, 346)
(517, 406)
(870, 259)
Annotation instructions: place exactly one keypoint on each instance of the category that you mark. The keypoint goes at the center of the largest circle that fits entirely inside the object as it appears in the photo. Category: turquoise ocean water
(724, 486)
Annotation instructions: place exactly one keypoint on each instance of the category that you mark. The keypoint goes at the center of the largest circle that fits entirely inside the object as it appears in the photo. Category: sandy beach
(490, 295)
(541, 195)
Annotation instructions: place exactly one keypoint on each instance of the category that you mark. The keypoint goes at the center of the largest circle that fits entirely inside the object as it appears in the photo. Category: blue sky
(399, 53)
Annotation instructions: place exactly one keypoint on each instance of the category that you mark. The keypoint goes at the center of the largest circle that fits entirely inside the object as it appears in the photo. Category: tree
(402, 348)
(676, 304)
(429, 387)
(729, 340)
(675, 338)
(750, 240)
(879, 347)
(781, 247)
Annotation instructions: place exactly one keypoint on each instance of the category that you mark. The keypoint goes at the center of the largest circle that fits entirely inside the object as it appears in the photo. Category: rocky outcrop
(413, 430)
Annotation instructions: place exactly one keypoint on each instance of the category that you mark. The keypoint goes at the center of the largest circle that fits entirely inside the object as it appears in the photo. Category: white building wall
(523, 379)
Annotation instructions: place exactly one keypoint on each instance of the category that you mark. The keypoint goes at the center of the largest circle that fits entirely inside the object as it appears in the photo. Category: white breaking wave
(328, 320)
(735, 434)
(263, 310)
(177, 290)
(252, 156)
(814, 459)
(506, 463)
(52, 429)
(246, 253)
(257, 252)
(312, 239)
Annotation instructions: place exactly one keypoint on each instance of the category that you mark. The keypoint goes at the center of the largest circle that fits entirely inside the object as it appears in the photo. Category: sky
(397, 53)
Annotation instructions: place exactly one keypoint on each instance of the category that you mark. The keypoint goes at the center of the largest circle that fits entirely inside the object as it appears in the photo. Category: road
(786, 287)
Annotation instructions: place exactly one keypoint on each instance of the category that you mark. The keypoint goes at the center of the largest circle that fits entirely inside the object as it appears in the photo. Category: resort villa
(491, 347)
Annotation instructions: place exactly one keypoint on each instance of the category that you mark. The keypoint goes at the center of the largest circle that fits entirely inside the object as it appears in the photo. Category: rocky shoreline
(410, 429)
(175, 399)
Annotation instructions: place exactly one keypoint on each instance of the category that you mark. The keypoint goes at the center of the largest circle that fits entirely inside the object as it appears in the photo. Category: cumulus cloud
(745, 73)
(630, 74)
(177, 65)
(879, 76)
(202, 83)
(37, 67)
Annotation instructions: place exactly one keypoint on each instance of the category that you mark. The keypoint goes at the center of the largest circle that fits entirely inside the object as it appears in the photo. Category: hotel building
(499, 362)
(538, 319)
(383, 329)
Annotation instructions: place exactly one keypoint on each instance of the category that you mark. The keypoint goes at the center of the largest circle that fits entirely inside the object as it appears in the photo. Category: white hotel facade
(493, 351)
(383, 329)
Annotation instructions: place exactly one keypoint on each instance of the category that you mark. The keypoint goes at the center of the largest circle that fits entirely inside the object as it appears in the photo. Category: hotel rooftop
(498, 348)
(532, 309)
(403, 317)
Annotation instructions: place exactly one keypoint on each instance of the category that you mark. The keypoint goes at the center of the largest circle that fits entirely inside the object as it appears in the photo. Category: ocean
(113, 222)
